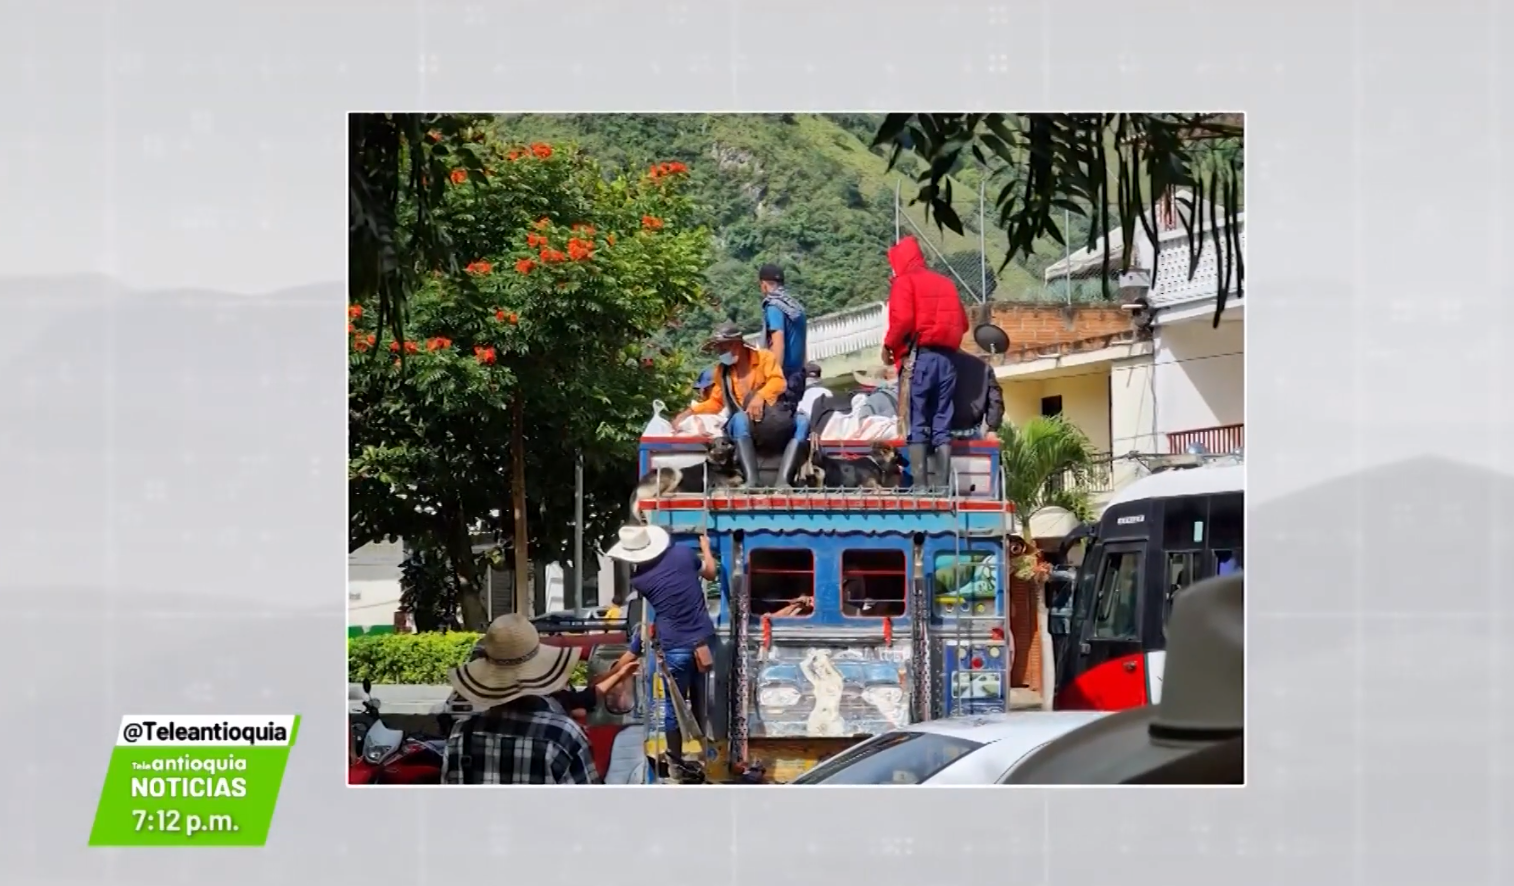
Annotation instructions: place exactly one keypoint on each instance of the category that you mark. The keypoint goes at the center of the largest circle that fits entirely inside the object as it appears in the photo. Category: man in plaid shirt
(522, 735)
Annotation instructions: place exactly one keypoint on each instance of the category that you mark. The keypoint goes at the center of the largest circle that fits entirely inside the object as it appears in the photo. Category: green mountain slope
(802, 190)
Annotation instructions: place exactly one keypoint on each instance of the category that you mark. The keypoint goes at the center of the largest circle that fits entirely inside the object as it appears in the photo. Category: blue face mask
(727, 358)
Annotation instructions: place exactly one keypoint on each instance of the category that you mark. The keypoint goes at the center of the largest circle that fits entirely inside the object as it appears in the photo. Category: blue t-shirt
(793, 329)
(671, 584)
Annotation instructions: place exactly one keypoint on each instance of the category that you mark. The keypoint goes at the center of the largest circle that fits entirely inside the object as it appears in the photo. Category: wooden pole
(523, 602)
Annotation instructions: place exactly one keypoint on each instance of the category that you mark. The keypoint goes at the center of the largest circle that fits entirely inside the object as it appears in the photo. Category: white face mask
(727, 358)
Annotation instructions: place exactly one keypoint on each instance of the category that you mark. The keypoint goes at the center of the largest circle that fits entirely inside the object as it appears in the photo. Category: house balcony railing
(1098, 477)
(1219, 440)
(843, 332)
(1172, 286)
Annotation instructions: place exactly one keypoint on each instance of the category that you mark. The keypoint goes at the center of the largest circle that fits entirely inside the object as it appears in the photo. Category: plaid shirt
(530, 740)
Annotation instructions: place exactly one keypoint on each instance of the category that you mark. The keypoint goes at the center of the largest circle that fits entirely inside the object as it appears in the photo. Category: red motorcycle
(388, 756)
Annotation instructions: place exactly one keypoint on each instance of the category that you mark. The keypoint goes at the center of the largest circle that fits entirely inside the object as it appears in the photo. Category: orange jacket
(763, 375)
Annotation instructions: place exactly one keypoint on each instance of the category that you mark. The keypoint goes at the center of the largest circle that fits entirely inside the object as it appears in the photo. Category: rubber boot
(746, 453)
(786, 466)
(919, 466)
(941, 469)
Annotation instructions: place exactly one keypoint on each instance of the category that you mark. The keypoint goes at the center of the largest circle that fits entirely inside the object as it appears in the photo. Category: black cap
(770, 273)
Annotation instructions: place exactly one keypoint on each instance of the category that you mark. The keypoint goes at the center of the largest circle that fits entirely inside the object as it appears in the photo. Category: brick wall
(1032, 327)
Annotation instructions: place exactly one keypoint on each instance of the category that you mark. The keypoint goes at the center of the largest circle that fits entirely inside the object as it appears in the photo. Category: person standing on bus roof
(670, 577)
(784, 330)
(926, 318)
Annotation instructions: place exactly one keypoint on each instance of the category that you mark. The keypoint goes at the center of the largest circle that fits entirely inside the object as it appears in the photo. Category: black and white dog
(720, 467)
(880, 469)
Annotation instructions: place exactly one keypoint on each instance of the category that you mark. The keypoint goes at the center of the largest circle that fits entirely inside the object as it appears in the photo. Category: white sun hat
(638, 543)
(513, 663)
(1203, 702)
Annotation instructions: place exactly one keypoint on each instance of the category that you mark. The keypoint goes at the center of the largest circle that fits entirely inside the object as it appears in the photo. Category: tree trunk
(470, 598)
(518, 506)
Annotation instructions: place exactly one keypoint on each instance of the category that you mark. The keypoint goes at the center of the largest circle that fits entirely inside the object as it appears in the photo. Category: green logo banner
(193, 780)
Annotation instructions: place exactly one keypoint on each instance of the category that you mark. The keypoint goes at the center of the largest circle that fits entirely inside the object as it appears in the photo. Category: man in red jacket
(925, 315)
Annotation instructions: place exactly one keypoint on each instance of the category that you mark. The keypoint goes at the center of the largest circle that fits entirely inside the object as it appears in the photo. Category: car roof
(990, 728)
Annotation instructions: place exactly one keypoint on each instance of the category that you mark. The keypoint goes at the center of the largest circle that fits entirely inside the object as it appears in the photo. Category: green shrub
(415, 658)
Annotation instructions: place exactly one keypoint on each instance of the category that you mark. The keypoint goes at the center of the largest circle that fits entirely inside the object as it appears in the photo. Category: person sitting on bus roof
(813, 390)
(703, 385)
(925, 319)
(978, 409)
(671, 579)
(749, 387)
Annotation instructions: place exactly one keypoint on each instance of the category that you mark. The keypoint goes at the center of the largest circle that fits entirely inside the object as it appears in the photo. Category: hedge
(422, 659)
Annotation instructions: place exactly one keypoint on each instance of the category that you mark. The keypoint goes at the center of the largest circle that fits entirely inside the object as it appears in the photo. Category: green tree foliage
(1039, 457)
(538, 348)
(1107, 169)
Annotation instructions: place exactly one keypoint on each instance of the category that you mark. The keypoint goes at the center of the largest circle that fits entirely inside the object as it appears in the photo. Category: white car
(970, 750)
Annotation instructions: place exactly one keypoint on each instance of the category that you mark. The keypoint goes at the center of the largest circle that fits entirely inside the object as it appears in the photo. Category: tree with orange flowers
(532, 350)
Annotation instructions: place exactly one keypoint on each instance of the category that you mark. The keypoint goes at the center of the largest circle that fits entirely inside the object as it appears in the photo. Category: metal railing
(1096, 478)
(850, 331)
(1219, 440)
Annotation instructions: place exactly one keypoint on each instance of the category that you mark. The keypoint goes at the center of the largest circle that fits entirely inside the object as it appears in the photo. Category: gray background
(171, 425)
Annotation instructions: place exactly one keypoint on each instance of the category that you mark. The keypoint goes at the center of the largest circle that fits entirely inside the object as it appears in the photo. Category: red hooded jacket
(923, 306)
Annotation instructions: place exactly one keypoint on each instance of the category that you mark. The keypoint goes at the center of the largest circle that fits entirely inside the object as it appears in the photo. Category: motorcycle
(387, 756)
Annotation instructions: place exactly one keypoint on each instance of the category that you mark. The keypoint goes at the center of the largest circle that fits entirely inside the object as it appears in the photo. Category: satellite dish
(991, 339)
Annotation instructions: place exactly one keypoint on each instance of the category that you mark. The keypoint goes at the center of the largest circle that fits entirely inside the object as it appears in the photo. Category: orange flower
(438, 343)
(359, 345)
(524, 266)
(484, 355)
(535, 240)
(434, 136)
(551, 256)
(500, 316)
(651, 222)
(578, 250)
(350, 328)
(587, 230)
(542, 150)
(354, 311)
(610, 239)
(479, 267)
(514, 154)
(370, 339)
(394, 347)
(543, 223)
(410, 347)
(676, 168)
(459, 176)
(512, 318)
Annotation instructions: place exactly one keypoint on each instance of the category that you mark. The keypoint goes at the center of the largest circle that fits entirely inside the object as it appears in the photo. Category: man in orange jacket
(749, 386)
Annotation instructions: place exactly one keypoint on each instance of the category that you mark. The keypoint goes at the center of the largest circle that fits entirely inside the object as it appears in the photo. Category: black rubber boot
(746, 453)
(941, 469)
(786, 466)
(919, 466)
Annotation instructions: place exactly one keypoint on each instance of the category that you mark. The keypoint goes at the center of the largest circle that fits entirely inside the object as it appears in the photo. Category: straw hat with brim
(638, 544)
(725, 333)
(1203, 701)
(514, 664)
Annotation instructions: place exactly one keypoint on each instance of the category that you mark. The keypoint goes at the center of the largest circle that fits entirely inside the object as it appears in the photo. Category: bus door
(1110, 674)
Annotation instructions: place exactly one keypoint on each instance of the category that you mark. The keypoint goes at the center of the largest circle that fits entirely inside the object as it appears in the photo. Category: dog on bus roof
(720, 466)
(882, 468)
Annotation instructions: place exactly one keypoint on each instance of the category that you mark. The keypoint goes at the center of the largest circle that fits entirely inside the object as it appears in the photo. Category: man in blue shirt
(783, 332)
(671, 579)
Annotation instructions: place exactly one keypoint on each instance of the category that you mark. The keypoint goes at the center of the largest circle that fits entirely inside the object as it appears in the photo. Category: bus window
(1180, 574)
(1226, 562)
(781, 580)
(1227, 516)
(873, 583)
(1119, 584)
(1185, 522)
